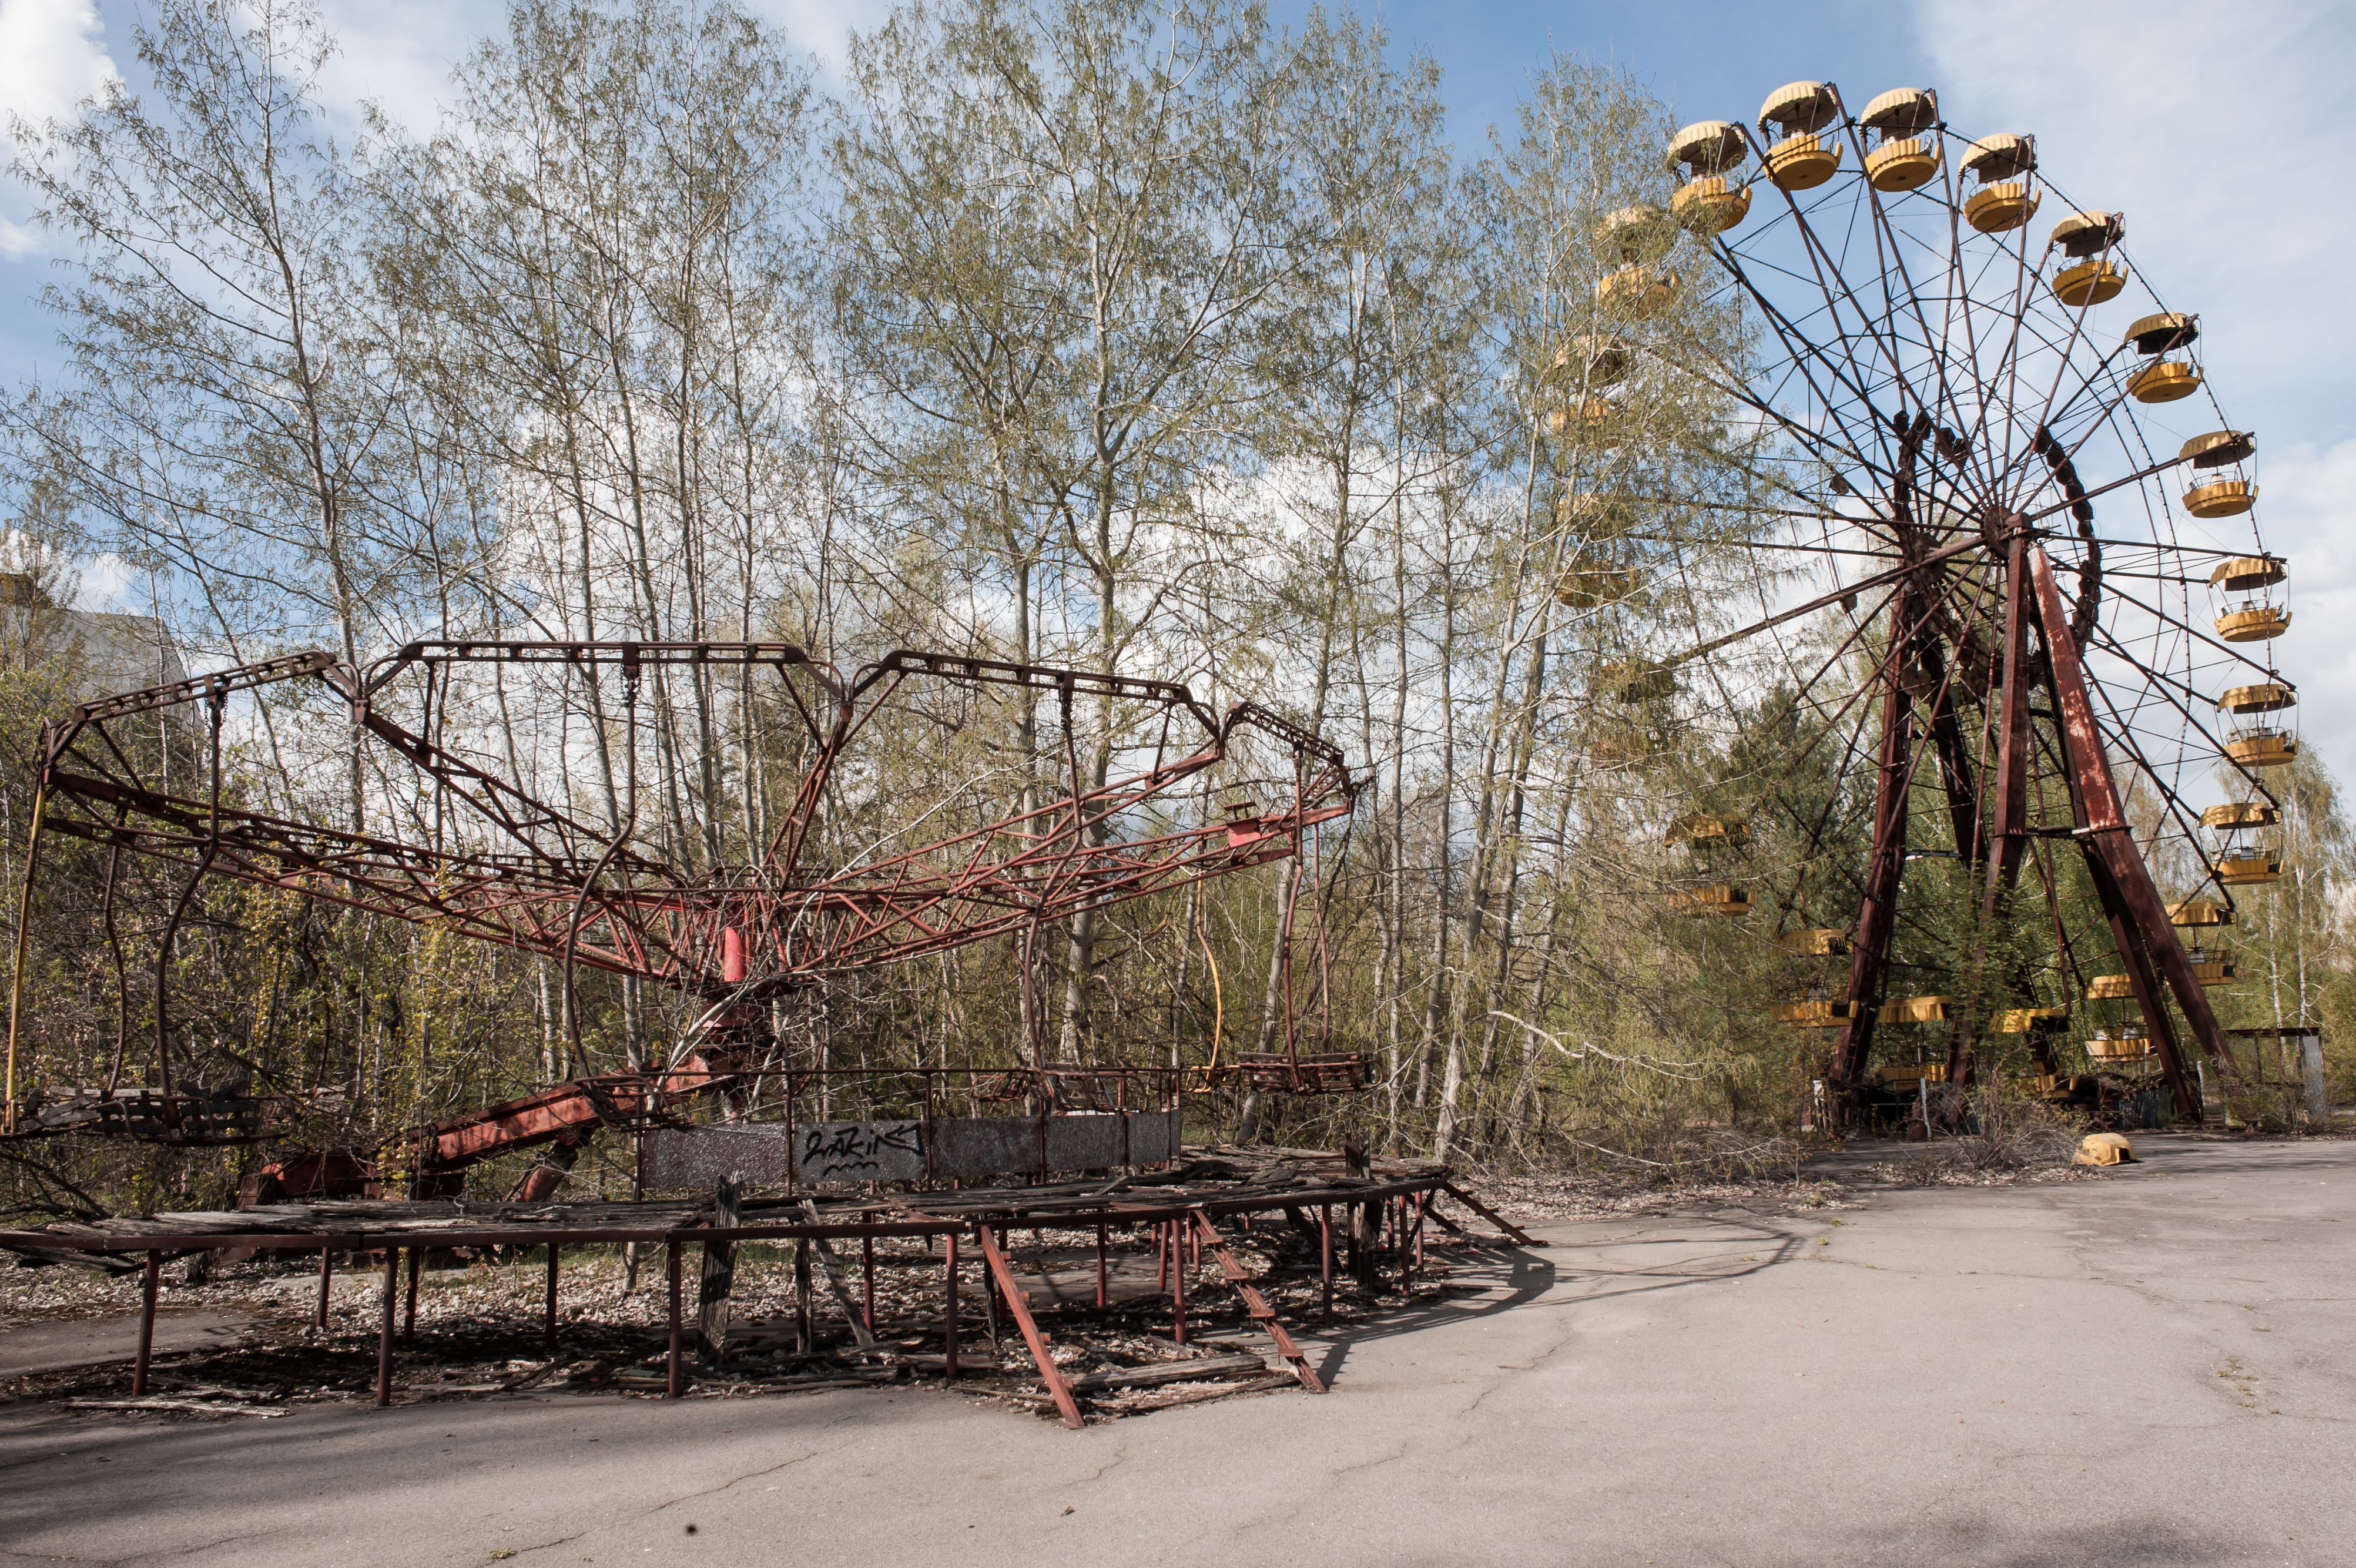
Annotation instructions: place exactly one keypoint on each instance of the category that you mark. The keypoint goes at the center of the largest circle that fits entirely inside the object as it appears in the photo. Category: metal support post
(1878, 913)
(1019, 1310)
(1325, 1260)
(1177, 1285)
(675, 1383)
(386, 1301)
(949, 1308)
(148, 1281)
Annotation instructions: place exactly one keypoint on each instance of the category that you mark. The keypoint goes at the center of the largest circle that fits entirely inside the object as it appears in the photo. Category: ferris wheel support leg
(1877, 913)
(2140, 923)
(2002, 857)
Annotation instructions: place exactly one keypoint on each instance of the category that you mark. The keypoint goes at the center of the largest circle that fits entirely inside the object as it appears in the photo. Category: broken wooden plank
(199, 1407)
(1139, 1405)
(1257, 1306)
(840, 1286)
(717, 1280)
(1160, 1372)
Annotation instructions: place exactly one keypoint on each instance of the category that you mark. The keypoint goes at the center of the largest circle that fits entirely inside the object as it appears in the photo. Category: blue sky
(2218, 129)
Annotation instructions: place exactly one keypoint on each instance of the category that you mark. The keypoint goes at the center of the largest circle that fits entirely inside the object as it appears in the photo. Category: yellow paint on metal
(2109, 988)
(1699, 828)
(2267, 749)
(1802, 162)
(2089, 283)
(1719, 900)
(2253, 625)
(1800, 106)
(2103, 1149)
(2267, 697)
(1901, 112)
(2242, 574)
(2241, 814)
(2084, 233)
(1909, 165)
(2218, 448)
(1708, 146)
(1636, 291)
(2158, 333)
(2220, 497)
(1814, 943)
(1710, 205)
(2250, 870)
(2164, 381)
(2000, 157)
(1995, 209)
(1915, 1010)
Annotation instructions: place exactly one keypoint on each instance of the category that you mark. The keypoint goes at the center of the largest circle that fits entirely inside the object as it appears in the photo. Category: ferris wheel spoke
(1803, 349)
(2227, 649)
(1934, 347)
(2167, 689)
(2185, 820)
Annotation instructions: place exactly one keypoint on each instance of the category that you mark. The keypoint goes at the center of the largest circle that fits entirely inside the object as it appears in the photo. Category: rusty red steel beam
(440, 1233)
(2144, 936)
(1256, 1306)
(1019, 1305)
(1878, 910)
(2010, 828)
(1039, 865)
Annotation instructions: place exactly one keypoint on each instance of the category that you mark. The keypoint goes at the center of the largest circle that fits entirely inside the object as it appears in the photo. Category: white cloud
(400, 56)
(2309, 496)
(51, 56)
(2212, 128)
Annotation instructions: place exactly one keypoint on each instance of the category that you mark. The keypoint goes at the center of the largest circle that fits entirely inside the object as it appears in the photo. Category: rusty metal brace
(1519, 1237)
(1257, 1305)
(1020, 1307)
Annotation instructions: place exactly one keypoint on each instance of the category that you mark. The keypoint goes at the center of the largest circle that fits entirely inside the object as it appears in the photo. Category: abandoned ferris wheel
(2037, 615)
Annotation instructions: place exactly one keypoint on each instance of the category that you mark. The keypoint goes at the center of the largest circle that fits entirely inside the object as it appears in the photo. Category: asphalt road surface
(2154, 1366)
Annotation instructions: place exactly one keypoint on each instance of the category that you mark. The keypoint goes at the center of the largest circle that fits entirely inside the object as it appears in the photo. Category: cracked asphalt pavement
(2150, 1366)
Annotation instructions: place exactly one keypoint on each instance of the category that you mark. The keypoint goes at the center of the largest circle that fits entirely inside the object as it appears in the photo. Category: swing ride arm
(525, 874)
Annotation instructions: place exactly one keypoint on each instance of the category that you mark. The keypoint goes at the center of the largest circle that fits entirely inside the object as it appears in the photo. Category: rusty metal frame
(732, 937)
(1184, 1228)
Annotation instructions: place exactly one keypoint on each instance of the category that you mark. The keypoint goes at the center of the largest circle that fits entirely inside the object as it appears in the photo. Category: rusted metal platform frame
(1181, 1230)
